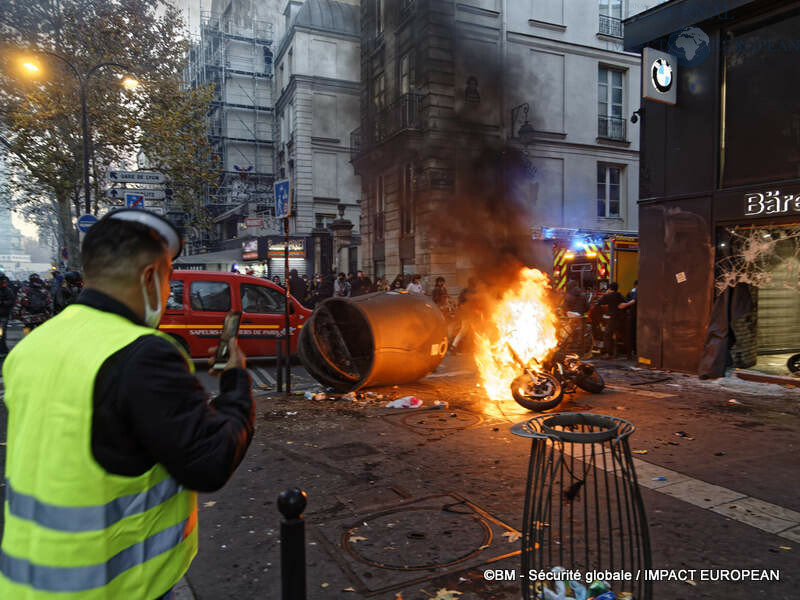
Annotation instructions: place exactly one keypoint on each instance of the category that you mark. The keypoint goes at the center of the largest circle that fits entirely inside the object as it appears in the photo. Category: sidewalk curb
(182, 591)
(763, 378)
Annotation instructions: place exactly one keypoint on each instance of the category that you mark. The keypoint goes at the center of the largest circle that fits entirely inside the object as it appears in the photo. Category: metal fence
(611, 26)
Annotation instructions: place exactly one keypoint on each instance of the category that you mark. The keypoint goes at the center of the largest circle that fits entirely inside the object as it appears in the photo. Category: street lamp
(128, 83)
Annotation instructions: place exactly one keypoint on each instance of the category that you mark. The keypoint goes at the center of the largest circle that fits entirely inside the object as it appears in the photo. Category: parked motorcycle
(794, 363)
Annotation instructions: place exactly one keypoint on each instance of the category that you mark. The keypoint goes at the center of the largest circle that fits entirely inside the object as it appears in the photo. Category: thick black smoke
(488, 221)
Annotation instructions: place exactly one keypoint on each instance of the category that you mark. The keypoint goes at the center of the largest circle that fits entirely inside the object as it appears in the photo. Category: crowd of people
(34, 301)
(310, 291)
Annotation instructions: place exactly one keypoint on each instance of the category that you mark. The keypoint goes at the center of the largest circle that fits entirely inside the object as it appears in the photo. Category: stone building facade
(317, 91)
(444, 83)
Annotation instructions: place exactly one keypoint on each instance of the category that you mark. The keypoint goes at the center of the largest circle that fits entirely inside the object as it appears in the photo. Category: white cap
(160, 225)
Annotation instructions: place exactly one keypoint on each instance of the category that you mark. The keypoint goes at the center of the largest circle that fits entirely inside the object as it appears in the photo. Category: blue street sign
(134, 200)
(86, 221)
(283, 199)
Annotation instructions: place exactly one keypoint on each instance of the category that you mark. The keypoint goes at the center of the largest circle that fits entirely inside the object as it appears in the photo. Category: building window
(608, 190)
(611, 17)
(379, 91)
(379, 208)
(610, 122)
(407, 202)
(407, 73)
(379, 101)
(379, 17)
(322, 220)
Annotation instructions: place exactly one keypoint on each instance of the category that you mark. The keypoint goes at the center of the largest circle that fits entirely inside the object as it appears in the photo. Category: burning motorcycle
(535, 389)
(542, 387)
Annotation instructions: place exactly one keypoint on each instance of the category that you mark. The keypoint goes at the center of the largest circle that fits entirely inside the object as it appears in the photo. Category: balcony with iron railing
(611, 26)
(611, 128)
(403, 115)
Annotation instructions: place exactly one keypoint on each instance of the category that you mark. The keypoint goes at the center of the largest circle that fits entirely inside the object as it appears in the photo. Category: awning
(211, 258)
(663, 19)
(229, 213)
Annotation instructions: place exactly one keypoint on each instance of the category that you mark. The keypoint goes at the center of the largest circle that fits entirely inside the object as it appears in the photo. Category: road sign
(85, 222)
(119, 193)
(283, 199)
(134, 200)
(136, 177)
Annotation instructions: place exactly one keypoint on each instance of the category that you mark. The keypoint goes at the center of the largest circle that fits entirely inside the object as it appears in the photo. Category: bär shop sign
(779, 202)
(771, 203)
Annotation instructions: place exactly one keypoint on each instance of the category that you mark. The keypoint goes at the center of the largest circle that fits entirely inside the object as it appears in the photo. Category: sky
(27, 229)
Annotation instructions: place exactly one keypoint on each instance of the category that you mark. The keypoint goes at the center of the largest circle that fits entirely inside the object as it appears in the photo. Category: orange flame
(523, 319)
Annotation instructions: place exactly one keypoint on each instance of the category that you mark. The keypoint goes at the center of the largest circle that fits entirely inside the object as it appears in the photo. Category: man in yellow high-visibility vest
(110, 435)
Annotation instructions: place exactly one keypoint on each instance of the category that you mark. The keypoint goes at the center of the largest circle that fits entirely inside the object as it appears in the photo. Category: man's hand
(236, 358)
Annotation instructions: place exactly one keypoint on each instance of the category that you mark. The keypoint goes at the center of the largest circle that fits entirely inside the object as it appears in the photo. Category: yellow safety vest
(72, 529)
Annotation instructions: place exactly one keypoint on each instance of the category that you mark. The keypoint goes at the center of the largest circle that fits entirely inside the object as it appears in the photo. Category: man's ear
(146, 275)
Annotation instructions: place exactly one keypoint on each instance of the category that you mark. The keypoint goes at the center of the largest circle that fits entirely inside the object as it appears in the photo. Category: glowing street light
(128, 82)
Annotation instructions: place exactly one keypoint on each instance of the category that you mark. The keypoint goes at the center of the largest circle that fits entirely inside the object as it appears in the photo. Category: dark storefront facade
(720, 184)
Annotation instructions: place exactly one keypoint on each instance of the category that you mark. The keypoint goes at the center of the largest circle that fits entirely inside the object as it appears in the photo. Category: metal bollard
(279, 367)
(292, 503)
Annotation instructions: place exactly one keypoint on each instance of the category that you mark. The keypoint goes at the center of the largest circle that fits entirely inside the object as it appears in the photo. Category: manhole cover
(417, 539)
(351, 450)
(435, 421)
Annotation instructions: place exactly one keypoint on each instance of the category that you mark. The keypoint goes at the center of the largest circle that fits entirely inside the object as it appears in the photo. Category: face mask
(152, 316)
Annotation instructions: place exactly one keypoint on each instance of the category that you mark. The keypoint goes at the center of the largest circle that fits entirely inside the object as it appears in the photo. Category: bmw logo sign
(661, 75)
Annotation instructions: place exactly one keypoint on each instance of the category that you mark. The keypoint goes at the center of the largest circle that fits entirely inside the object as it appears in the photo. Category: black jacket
(612, 299)
(297, 288)
(7, 298)
(148, 408)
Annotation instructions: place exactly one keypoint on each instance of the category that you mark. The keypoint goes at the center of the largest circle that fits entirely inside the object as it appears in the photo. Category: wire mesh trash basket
(584, 527)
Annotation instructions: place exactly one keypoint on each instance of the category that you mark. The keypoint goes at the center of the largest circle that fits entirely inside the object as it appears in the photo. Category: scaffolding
(234, 53)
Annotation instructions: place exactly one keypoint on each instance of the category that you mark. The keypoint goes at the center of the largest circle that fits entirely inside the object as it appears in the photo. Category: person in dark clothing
(297, 287)
(439, 295)
(399, 283)
(615, 331)
(325, 288)
(630, 309)
(145, 414)
(360, 285)
(575, 300)
(68, 291)
(6, 304)
(33, 304)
